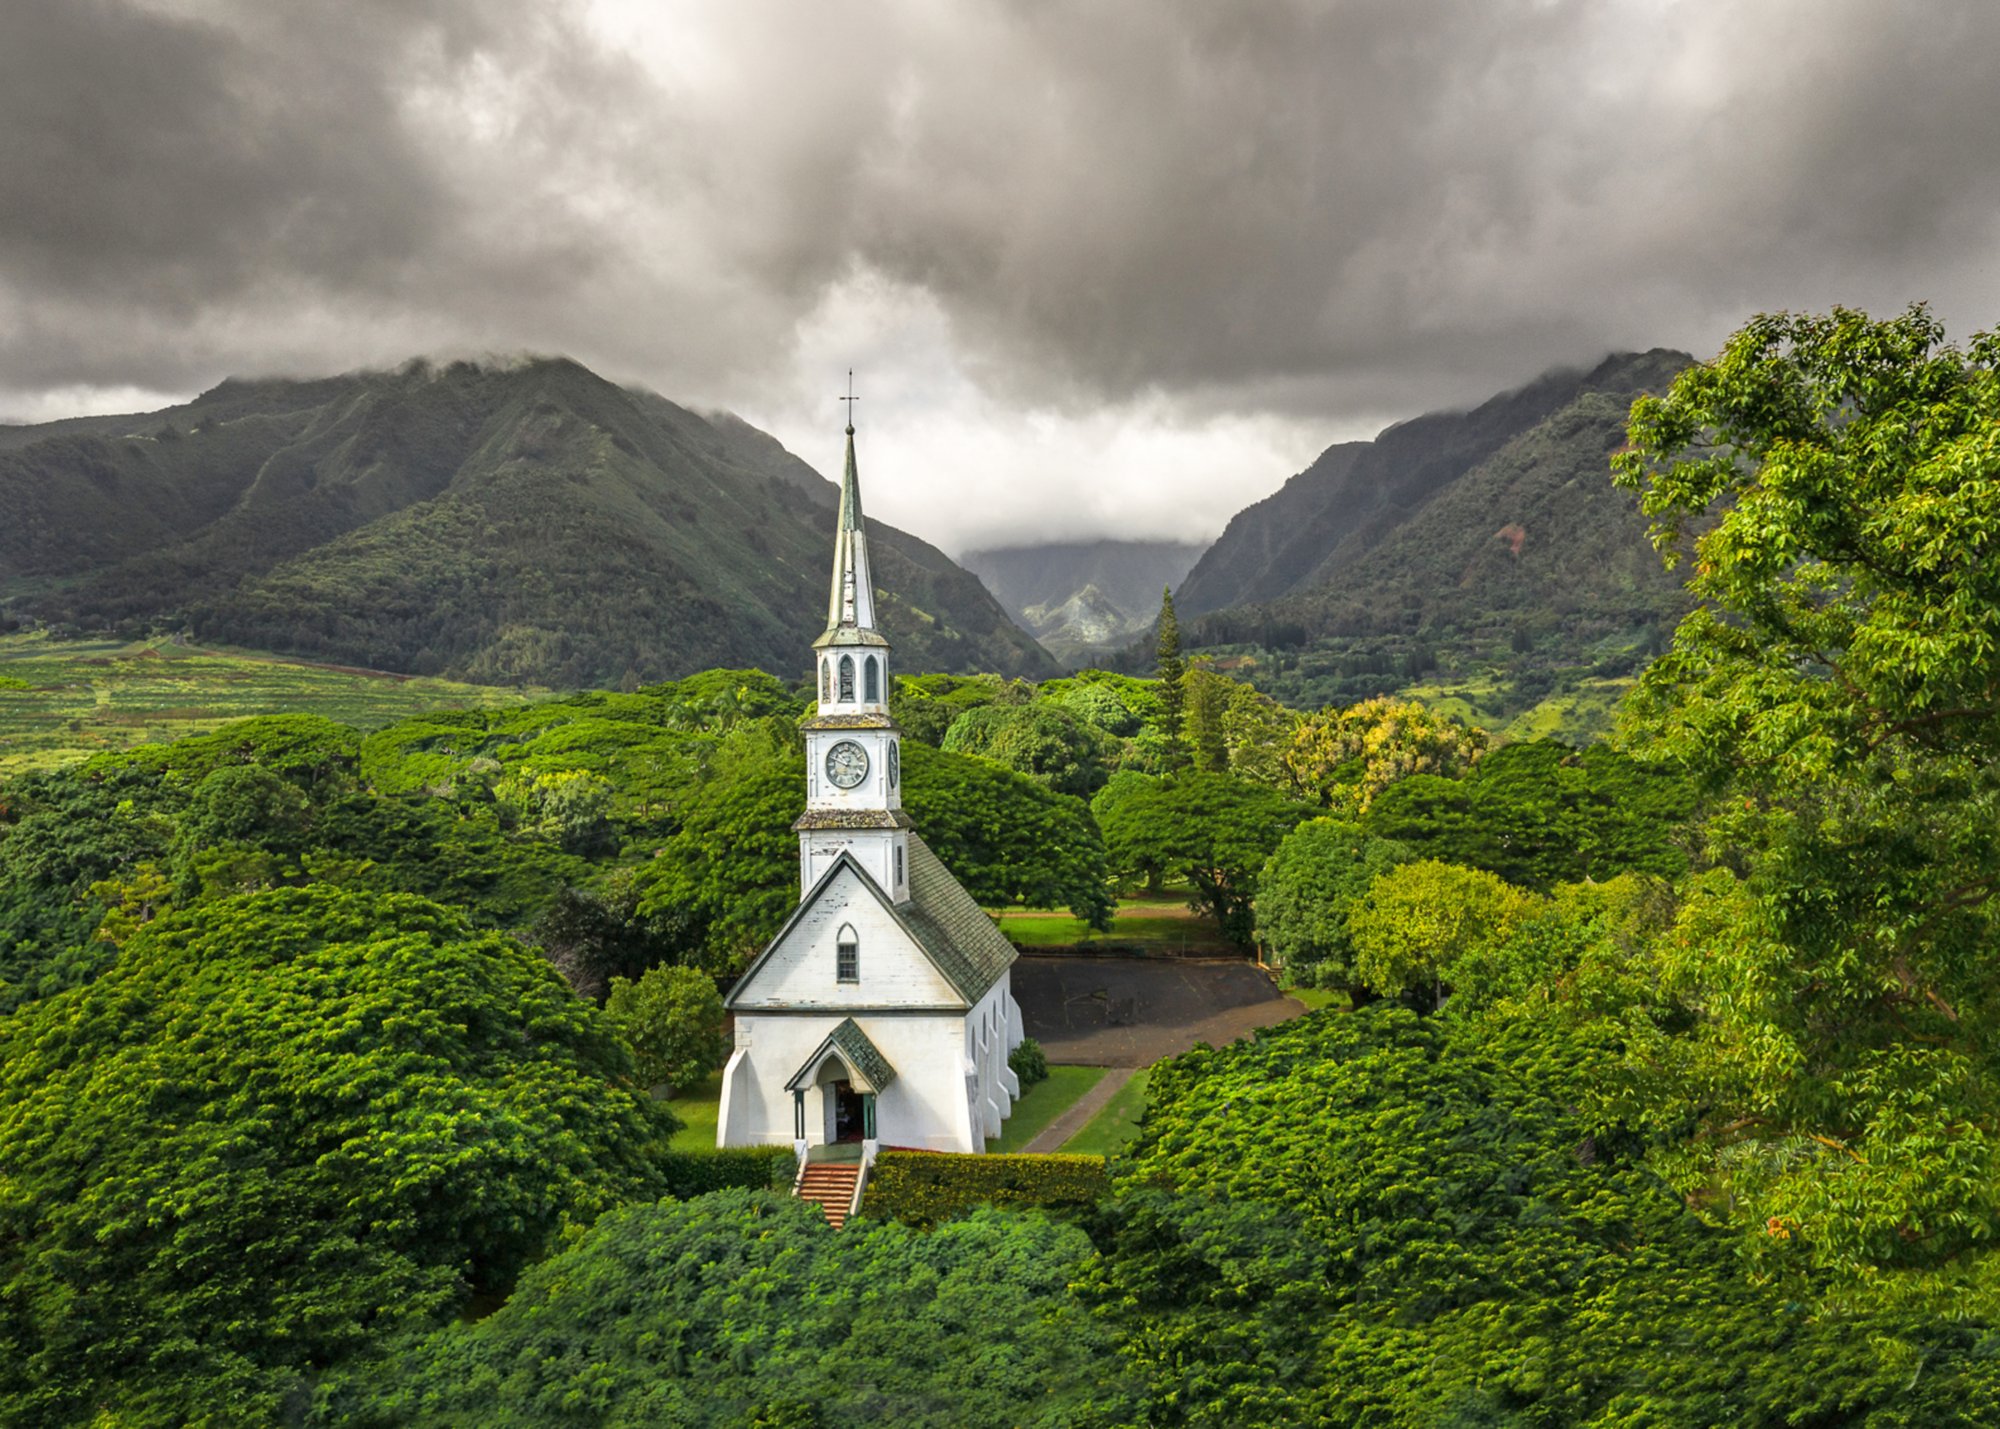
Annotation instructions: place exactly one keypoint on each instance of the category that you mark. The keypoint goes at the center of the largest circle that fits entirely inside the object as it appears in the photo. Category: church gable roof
(952, 928)
(948, 997)
(940, 917)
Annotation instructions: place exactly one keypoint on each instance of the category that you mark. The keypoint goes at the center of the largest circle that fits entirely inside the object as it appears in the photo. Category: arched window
(847, 679)
(899, 865)
(825, 681)
(872, 682)
(847, 955)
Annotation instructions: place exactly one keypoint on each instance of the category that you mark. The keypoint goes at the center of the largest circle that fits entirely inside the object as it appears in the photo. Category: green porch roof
(870, 1070)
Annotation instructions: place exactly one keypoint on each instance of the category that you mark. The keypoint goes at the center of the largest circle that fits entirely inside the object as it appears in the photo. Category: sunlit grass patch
(1116, 1122)
(1042, 1104)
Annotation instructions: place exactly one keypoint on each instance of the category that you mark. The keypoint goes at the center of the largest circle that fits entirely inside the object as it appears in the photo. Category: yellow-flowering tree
(1345, 757)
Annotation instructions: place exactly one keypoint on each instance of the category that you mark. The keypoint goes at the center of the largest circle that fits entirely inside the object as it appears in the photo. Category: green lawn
(1042, 1104)
(1317, 997)
(697, 1107)
(1116, 1122)
(64, 700)
(1163, 921)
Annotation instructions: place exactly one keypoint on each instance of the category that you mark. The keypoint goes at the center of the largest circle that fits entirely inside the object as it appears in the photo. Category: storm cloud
(1093, 257)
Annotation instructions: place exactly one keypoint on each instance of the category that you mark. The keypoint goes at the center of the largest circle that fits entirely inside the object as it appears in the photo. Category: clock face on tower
(846, 764)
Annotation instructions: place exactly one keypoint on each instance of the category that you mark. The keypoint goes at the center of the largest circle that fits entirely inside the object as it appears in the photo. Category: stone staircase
(830, 1186)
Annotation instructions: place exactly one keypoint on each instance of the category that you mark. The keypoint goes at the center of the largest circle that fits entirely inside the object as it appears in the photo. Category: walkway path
(1088, 1105)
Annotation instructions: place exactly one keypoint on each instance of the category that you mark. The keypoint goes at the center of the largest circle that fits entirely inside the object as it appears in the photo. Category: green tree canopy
(734, 863)
(1839, 698)
(1539, 813)
(1418, 920)
(1214, 830)
(672, 1019)
(742, 1308)
(1344, 758)
(1375, 1218)
(1043, 741)
(278, 1127)
(1304, 895)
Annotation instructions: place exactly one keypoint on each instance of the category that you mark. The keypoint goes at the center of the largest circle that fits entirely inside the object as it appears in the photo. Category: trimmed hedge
(756, 1168)
(921, 1188)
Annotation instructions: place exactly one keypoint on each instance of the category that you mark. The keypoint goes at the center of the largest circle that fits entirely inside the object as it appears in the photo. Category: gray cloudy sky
(1102, 266)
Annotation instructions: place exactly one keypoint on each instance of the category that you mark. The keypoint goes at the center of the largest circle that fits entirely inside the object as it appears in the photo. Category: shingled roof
(864, 1059)
(953, 929)
(939, 915)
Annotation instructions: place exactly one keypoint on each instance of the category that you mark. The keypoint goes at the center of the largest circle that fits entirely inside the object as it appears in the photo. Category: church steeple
(851, 602)
(854, 756)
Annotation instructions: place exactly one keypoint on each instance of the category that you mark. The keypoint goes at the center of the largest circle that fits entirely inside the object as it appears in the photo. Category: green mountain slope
(1482, 544)
(522, 523)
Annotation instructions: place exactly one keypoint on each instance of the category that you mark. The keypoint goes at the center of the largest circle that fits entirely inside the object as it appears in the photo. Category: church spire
(851, 601)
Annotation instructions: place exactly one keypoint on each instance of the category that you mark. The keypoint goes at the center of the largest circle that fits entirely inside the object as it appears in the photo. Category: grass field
(697, 1107)
(1164, 921)
(1116, 1122)
(1042, 1104)
(64, 700)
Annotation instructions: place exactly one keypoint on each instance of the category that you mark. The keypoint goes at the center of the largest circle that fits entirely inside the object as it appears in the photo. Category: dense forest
(1656, 1083)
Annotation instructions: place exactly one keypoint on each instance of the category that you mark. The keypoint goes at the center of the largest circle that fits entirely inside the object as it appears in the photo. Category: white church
(881, 1014)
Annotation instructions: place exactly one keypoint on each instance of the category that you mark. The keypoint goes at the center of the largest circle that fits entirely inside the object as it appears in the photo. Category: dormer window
(847, 955)
(847, 679)
(874, 681)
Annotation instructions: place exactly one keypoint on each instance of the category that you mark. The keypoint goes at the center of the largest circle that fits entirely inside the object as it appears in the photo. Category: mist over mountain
(1082, 598)
(519, 522)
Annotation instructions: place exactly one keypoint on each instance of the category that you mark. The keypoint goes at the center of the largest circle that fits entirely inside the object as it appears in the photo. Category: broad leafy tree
(741, 1308)
(734, 863)
(1213, 830)
(673, 1021)
(1418, 920)
(1043, 741)
(1838, 696)
(277, 1128)
(1375, 1218)
(1540, 813)
(1306, 892)
(1344, 758)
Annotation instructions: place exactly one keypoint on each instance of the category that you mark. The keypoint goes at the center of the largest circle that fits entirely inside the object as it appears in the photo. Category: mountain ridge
(531, 522)
(1355, 493)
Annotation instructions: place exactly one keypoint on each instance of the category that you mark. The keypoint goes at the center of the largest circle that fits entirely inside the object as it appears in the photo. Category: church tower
(854, 757)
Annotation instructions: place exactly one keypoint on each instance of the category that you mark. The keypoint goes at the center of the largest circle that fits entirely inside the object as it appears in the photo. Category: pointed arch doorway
(845, 1075)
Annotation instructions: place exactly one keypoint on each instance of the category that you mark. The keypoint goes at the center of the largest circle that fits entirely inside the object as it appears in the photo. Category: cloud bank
(1103, 265)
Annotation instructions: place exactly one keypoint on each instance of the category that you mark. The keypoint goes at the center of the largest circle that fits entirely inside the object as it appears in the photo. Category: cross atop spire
(850, 399)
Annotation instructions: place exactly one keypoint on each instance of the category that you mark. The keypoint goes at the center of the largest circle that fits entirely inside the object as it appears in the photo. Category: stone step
(830, 1186)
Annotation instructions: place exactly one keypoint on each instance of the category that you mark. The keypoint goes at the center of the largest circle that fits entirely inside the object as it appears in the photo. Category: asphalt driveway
(1130, 1012)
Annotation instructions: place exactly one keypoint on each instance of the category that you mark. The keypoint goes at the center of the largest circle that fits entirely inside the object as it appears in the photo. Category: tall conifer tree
(1173, 682)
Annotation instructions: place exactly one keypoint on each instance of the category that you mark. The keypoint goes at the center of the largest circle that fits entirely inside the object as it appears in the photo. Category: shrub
(1029, 1062)
(921, 1188)
(755, 1168)
(673, 1019)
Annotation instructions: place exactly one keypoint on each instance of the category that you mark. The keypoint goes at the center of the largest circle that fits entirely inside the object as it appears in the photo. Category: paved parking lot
(1130, 1012)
